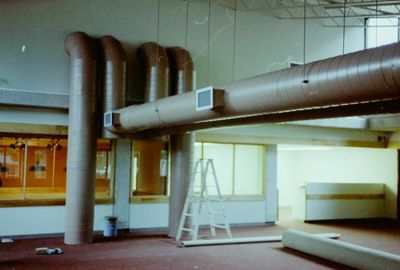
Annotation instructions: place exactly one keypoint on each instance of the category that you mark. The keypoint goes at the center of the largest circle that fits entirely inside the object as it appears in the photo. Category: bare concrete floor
(157, 251)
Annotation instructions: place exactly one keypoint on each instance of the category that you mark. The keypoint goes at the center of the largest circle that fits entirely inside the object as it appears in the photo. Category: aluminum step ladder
(191, 212)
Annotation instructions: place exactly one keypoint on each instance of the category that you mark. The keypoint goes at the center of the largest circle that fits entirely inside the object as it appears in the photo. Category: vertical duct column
(182, 145)
(154, 60)
(114, 78)
(182, 152)
(81, 163)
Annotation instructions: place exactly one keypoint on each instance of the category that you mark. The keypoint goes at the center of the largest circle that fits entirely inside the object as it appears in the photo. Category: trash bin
(110, 226)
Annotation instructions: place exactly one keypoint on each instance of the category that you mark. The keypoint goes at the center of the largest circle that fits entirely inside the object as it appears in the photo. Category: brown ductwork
(369, 75)
(155, 63)
(81, 163)
(182, 145)
(366, 108)
(181, 68)
(114, 77)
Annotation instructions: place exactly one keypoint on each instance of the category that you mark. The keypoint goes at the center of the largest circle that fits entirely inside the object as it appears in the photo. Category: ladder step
(187, 229)
(203, 192)
(219, 226)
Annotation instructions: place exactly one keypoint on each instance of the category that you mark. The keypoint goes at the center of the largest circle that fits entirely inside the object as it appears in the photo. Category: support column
(271, 190)
(182, 149)
(121, 208)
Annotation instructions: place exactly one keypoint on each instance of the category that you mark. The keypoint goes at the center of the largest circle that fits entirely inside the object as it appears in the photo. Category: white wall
(300, 164)
(42, 220)
(358, 204)
(155, 215)
(51, 219)
(33, 33)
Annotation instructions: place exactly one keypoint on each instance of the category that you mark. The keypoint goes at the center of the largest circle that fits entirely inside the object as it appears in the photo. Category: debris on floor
(48, 251)
(7, 240)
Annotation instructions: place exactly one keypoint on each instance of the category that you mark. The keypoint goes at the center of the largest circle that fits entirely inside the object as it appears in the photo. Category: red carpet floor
(156, 251)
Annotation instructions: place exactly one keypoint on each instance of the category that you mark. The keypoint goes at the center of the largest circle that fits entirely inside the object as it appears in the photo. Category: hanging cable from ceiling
(158, 37)
(187, 25)
(234, 42)
(305, 80)
(376, 23)
(208, 40)
(344, 25)
(186, 34)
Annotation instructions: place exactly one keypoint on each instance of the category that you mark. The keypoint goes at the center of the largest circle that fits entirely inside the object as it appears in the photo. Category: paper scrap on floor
(7, 240)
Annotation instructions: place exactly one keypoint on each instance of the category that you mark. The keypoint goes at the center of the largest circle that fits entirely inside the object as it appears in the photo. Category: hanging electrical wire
(344, 25)
(209, 40)
(158, 37)
(305, 80)
(234, 42)
(376, 23)
(186, 37)
(187, 25)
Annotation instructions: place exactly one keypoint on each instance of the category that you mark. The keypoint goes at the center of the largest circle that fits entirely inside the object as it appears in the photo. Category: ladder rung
(187, 229)
(219, 226)
(203, 191)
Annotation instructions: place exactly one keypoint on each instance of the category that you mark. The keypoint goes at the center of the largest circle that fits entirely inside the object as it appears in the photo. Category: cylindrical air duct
(182, 152)
(368, 75)
(181, 69)
(154, 60)
(352, 255)
(181, 145)
(114, 78)
(365, 108)
(81, 162)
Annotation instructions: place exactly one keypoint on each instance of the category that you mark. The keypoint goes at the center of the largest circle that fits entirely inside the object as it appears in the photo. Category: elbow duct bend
(154, 60)
(114, 78)
(181, 70)
(363, 76)
(81, 163)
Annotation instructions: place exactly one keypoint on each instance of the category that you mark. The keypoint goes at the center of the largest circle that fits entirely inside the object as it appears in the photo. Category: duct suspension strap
(205, 193)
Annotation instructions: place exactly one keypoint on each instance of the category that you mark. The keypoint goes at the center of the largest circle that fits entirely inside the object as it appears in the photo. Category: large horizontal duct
(364, 109)
(368, 75)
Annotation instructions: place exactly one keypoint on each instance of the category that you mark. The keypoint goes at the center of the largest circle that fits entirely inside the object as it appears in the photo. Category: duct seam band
(157, 111)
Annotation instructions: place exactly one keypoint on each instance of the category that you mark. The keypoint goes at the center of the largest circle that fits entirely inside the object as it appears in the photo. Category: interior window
(103, 169)
(149, 167)
(239, 167)
(12, 152)
(44, 175)
(249, 173)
